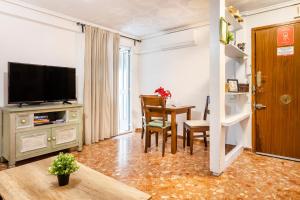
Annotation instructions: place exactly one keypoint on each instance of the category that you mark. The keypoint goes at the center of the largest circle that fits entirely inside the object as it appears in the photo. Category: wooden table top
(170, 108)
(32, 182)
(174, 107)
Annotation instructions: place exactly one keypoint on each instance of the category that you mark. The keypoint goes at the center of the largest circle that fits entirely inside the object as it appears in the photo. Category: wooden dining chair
(156, 126)
(143, 114)
(195, 126)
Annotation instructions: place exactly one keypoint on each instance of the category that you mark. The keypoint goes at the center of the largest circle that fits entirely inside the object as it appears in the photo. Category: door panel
(32, 143)
(277, 125)
(63, 137)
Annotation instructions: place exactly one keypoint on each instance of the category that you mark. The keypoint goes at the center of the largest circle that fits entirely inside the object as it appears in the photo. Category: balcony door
(124, 91)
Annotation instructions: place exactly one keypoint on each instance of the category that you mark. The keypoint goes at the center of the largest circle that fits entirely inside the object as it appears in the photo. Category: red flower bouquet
(163, 93)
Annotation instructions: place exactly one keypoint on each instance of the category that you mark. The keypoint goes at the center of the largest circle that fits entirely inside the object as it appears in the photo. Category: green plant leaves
(64, 164)
(230, 37)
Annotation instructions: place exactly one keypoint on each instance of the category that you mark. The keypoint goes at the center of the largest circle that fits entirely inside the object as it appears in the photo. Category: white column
(217, 89)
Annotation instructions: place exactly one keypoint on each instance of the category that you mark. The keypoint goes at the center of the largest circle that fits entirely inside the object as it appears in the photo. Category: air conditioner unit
(178, 40)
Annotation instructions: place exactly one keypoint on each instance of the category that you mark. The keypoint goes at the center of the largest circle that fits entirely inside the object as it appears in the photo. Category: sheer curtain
(101, 74)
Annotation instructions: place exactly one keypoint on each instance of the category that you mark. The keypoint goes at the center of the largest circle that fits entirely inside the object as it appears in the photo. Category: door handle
(259, 106)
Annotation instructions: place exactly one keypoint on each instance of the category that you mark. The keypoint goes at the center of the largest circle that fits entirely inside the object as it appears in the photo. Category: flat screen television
(29, 83)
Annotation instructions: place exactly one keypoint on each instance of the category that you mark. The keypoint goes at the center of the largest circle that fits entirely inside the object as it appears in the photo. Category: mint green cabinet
(23, 137)
(66, 136)
(32, 143)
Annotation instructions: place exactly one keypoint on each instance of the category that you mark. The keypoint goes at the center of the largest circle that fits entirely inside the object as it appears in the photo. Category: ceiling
(142, 17)
(246, 5)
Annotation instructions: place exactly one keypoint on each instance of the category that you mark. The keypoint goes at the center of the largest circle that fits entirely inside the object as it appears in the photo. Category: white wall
(26, 37)
(184, 71)
(30, 36)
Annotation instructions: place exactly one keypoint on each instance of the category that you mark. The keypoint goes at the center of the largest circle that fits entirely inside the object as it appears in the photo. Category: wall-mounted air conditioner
(171, 41)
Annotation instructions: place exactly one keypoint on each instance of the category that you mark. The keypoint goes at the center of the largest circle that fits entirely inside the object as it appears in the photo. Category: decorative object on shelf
(243, 87)
(163, 93)
(223, 30)
(233, 85)
(230, 37)
(62, 167)
(41, 120)
(235, 13)
(240, 19)
(232, 10)
(226, 87)
(241, 46)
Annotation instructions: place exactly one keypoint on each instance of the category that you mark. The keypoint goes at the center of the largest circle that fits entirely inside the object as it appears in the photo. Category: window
(124, 91)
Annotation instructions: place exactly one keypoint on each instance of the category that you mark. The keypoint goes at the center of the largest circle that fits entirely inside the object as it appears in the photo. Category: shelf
(233, 51)
(234, 24)
(231, 120)
(237, 93)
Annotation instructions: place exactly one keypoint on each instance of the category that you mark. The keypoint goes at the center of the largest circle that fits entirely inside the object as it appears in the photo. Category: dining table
(173, 111)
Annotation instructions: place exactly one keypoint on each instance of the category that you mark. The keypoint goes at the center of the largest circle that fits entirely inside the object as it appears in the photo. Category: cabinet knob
(49, 139)
(23, 121)
(53, 138)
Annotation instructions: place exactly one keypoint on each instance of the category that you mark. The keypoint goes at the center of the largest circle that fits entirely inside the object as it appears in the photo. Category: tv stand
(67, 102)
(20, 105)
(26, 135)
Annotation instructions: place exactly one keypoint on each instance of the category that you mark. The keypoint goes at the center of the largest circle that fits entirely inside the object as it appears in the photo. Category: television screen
(38, 83)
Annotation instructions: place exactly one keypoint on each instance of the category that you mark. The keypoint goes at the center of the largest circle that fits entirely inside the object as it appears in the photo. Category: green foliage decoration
(230, 37)
(64, 164)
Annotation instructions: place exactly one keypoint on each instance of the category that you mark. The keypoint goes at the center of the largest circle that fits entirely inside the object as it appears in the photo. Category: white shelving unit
(234, 119)
(236, 93)
(233, 51)
(228, 110)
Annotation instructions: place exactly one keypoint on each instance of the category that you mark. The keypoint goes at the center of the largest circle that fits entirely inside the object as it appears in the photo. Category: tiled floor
(183, 176)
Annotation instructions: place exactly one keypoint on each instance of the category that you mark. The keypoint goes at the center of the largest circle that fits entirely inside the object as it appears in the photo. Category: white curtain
(101, 84)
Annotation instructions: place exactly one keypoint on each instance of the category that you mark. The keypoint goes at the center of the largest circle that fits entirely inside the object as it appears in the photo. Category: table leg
(188, 138)
(174, 133)
(189, 114)
(188, 117)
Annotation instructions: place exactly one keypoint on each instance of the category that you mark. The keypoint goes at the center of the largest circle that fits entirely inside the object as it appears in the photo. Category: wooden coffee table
(32, 182)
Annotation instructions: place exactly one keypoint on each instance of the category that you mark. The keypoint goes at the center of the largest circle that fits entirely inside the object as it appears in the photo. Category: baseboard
(248, 149)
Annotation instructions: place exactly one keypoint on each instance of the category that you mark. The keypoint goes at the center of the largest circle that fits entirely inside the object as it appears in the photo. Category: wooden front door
(276, 78)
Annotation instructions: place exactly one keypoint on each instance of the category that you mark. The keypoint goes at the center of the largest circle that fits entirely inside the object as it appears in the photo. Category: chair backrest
(154, 107)
(142, 105)
(206, 110)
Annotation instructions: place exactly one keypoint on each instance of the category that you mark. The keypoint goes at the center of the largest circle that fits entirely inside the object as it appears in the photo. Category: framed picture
(223, 30)
(233, 85)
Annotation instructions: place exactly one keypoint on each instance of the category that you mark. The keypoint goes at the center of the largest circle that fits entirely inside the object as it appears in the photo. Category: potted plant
(230, 37)
(163, 93)
(62, 167)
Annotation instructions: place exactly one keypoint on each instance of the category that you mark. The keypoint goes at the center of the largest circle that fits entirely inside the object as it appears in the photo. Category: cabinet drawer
(33, 143)
(65, 136)
(73, 115)
(24, 121)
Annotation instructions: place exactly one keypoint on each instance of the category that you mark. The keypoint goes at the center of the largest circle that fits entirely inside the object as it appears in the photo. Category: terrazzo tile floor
(182, 176)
